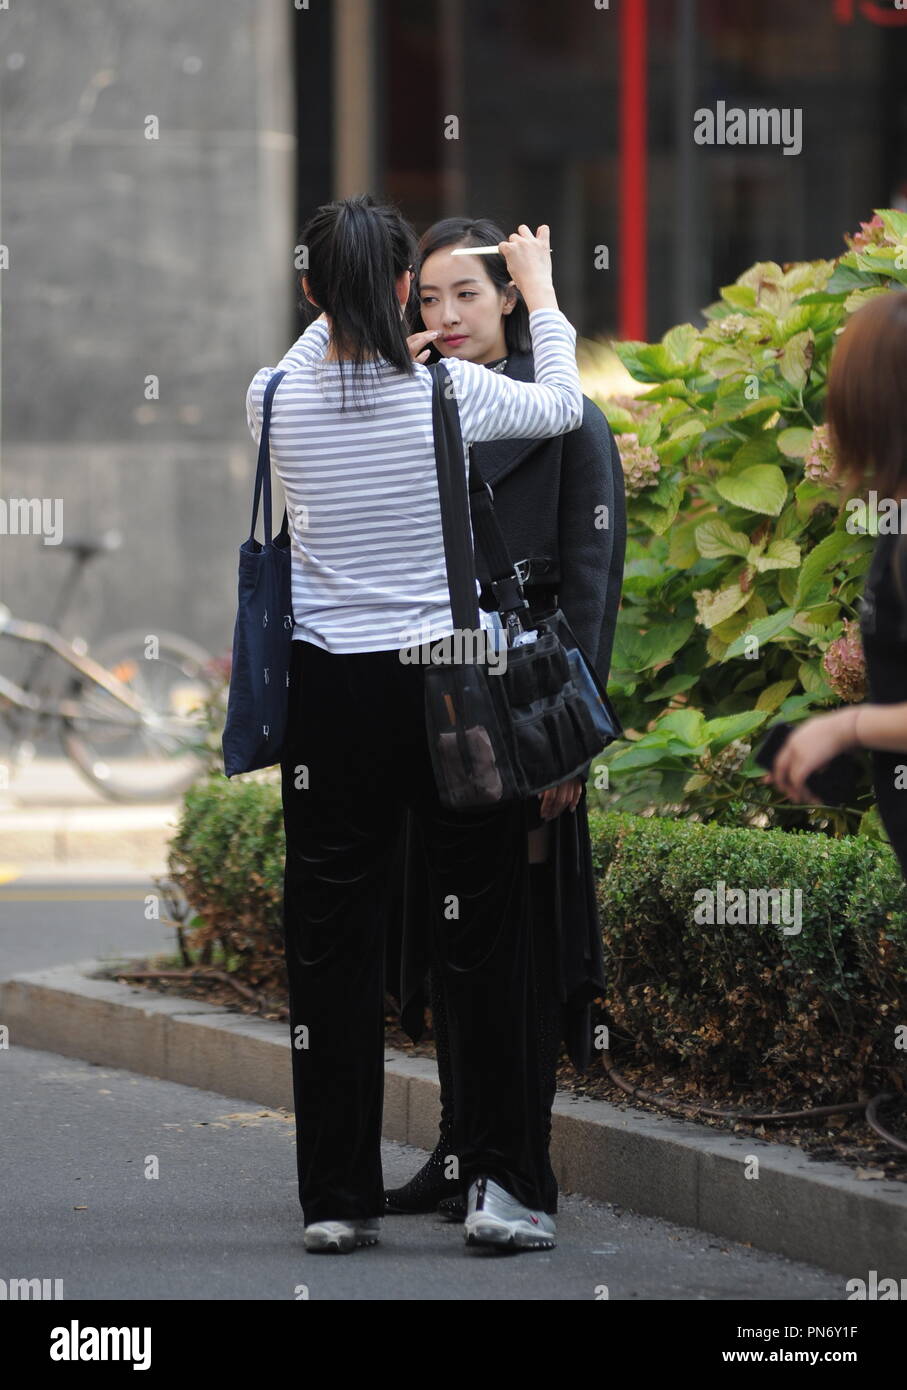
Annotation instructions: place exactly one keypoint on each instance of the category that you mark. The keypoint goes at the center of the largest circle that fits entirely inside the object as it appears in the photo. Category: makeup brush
(478, 251)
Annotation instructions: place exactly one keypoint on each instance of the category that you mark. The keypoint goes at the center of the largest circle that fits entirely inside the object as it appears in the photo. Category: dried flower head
(728, 761)
(640, 464)
(844, 666)
(818, 462)
(731, 326)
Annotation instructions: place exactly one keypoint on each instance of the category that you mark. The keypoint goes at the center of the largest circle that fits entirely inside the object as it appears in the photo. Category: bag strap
(263, 472)
(456, 505)
(464, 603)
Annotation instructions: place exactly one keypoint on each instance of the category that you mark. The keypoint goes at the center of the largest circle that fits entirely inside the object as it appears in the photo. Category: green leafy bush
(742, 578)
(227, 856)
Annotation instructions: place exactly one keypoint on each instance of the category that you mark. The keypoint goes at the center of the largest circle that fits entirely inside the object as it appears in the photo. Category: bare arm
(814, 743)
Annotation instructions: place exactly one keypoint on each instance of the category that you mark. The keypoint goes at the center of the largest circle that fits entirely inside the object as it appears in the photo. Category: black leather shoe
(425, 1190)
(453, 1208)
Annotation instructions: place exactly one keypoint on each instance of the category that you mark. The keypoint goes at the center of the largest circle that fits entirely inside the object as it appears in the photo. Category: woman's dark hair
(477, 231)
(357, 249)
(867, 397)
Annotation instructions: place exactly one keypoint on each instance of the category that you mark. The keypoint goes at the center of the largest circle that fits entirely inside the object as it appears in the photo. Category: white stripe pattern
(361, 487)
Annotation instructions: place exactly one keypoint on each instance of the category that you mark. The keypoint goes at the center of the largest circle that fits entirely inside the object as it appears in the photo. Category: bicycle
(125, 714)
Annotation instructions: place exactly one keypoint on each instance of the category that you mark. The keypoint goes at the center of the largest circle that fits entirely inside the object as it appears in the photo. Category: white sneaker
(340, 1237)
(495, 1217)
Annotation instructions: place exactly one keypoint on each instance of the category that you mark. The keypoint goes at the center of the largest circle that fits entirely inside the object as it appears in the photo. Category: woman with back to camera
(561, 506)
(351, 441)
(867, 418)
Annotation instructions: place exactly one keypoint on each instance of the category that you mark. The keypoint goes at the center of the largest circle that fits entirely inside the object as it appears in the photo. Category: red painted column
(870, 9)
(633, 170)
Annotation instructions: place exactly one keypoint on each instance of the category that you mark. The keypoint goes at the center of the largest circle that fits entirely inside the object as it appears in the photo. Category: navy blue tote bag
(260, 674)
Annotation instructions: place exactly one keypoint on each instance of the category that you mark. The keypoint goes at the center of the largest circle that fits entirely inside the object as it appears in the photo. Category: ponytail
(357, 249)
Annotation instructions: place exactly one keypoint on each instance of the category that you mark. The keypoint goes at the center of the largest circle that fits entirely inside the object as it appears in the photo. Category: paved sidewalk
(221, 1220)
(52, 817)
(654, 1165)
(747, 1190)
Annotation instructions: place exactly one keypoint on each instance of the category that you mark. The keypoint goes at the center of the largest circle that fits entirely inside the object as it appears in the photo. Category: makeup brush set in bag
(502, 731)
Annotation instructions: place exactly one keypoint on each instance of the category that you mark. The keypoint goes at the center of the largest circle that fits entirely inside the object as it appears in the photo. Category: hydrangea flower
(636, 407)
(844, 666)
(640, 464)
(871, 233)
(819, 460)
(732, 325)
(728, 761)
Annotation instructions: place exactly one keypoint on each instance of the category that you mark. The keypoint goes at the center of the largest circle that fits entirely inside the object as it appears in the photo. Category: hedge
(812, 1014)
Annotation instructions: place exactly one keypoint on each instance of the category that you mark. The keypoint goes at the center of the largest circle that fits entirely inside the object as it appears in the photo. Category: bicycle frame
(48, 638)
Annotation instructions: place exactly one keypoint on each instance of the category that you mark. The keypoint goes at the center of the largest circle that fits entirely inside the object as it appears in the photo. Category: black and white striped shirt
(361, 487)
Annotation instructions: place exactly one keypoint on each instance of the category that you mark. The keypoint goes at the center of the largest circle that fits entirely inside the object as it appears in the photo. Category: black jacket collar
(498, 457)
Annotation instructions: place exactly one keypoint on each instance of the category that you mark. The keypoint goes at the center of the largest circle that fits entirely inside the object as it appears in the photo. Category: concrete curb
(656, 1166)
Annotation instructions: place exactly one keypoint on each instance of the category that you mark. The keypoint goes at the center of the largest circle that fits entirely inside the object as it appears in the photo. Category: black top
(561, 505)
(883, 627)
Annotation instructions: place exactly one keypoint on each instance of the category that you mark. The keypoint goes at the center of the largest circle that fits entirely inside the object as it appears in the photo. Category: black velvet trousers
(550, 1026)
(355, 756)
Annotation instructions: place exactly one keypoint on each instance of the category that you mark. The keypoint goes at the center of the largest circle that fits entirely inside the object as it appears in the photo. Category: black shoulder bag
(536, 713)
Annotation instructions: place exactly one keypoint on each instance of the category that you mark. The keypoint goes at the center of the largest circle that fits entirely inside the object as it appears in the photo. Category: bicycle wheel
(155, 760)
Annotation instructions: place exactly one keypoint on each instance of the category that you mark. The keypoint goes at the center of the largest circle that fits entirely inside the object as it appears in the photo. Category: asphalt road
(124, 1186)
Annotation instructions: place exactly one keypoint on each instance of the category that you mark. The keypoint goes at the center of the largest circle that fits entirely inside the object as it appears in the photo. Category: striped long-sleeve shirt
(368, 567)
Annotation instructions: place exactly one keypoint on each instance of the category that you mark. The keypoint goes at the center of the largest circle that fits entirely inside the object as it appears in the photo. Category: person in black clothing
(867, 418)
(562, 510)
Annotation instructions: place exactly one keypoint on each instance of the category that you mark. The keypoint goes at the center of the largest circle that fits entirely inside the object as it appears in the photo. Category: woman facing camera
(867, 418)
(560, 503)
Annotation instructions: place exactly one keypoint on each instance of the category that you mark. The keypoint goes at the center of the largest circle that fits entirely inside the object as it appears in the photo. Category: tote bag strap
(464, 603)
(263, 473)
(456, 504)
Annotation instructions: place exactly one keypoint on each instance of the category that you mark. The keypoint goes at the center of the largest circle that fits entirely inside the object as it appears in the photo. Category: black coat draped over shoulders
(561, 505)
